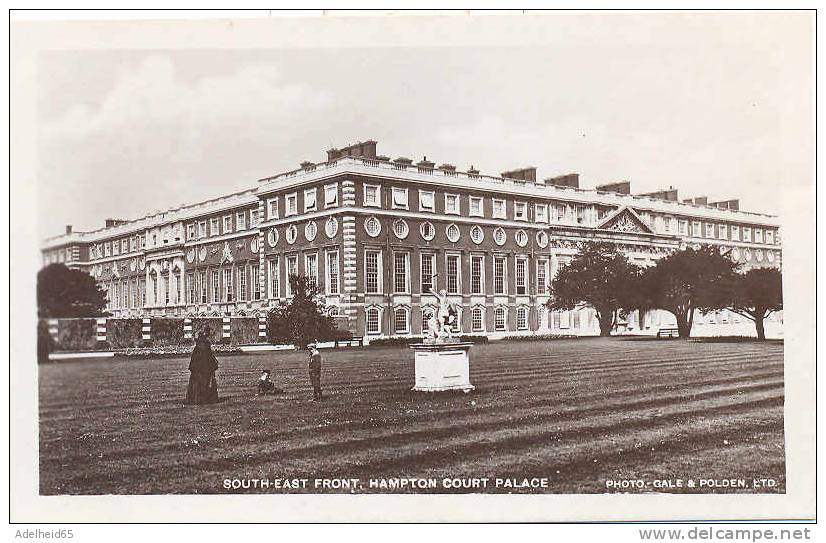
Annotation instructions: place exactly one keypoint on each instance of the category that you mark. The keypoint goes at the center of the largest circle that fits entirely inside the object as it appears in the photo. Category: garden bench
(669, 332)
(359, 340)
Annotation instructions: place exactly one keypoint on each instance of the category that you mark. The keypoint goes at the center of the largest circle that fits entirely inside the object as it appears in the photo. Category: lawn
(575, 412)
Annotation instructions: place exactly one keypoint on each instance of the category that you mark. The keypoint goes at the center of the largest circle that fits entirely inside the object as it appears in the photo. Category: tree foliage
(303, 319)
(600, 277)
(756, 294)
(66, 293)
(688, 280)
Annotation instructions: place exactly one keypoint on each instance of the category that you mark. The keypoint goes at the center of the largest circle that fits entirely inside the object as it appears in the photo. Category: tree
(599, 276)
(686, 281)
(67, 293)
(756, 294)
(303, 319)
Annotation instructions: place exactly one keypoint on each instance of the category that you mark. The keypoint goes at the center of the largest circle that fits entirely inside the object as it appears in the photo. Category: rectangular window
(769, 237)
(203, 287)
(520, 211)
(746, 234)
(216, 287)
(399, 198)
(332, 272)
(695, 229)
(580, 215)
(400, 272)
(167, 289)
(452, 204)
(668, 224)
(190, 288)
(213, 228)
(115, 250)
(522, 318)
(133, 243)
(190, 231)
(272, 208)
(452, 281)
(477, 281)
(540, 212)
(758, 236)
(521, 275)
(228, 290)
(124, 247)
(477, 208)
(542, 276)
(241, 220)
(309, 200)
(311, 268)
(371, 196)
(499, 209)
(427, 200)
(683, 227)
(291, 204)
(331, 195)
(292, 269)
(427, 270)
(723, 231)
(256, 283)
(227, 224)
(242, 283)
(253, 218)
(558, 212)
(274, 276)
(372, 272)
(499, 266)
(735, 232)
(499, 319)
(400, 321)
(709, 230)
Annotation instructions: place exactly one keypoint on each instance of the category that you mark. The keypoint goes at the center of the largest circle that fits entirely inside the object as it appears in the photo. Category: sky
(713, 106)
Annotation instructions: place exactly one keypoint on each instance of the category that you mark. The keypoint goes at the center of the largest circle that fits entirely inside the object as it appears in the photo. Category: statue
(440, 324)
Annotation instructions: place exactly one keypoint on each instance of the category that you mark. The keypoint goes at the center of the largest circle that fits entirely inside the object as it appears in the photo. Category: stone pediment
(625, 219)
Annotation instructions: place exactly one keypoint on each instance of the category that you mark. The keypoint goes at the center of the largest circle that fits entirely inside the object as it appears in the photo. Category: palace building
(379, 234)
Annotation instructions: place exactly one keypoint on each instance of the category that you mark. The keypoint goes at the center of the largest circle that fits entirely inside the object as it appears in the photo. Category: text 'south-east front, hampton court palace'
(377, 234)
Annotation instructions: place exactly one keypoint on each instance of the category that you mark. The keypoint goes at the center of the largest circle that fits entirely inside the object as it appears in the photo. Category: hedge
(243, 330)
(78, 335)
(124, 333)
(212, 325)
(167, 332)
(409, 340)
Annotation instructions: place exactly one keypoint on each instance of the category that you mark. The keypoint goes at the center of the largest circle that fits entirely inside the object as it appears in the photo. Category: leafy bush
(78, 335)
(303, 319)
(166, 332)
(124, 333)
(45, 343)
(244, 330)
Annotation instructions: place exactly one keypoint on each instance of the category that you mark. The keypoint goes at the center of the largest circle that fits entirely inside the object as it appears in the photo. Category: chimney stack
(622, 187)
(68, 228)
(567, 180)
(522, 174)
(669, 194)
(363, 149)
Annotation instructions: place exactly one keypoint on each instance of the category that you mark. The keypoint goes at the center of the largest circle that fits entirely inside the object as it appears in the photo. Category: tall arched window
(401, 322)
(372, 321)
(478, 319)
(522, 318)
(500, 319)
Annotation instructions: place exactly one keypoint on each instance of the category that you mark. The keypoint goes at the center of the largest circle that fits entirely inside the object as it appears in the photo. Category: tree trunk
(684, 322)
(606, 323)
(761, 330)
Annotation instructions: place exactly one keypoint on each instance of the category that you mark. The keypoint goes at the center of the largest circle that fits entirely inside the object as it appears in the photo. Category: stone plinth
(442, 366)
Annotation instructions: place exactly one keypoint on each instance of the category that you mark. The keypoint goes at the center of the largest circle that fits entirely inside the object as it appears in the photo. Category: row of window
(728, 232)
(118, 247)
(311, 203)
(222, 225)
(401, 277)
(401, 319)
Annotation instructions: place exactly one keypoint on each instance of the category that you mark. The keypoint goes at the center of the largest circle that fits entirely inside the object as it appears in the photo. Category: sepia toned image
(396, 262)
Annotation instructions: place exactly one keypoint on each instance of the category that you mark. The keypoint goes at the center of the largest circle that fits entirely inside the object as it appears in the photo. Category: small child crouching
(265, 384)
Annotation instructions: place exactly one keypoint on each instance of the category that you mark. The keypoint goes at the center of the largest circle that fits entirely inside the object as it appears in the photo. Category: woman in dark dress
(203, 388)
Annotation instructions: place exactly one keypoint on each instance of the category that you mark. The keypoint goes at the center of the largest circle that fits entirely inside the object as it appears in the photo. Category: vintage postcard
(551, 266)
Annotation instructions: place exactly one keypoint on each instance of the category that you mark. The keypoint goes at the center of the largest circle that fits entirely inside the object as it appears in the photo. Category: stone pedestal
(442, 366)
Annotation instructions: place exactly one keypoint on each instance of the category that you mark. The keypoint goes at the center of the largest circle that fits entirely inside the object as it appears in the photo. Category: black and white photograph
(442, 256)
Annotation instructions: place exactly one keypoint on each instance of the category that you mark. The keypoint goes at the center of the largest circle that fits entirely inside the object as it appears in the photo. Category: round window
(400, 228)
(272, 237)
(759, 255)
(747, 254)
(292, 233)
(331, 227)
(770, 256)
(310, 231)
(499, 236)
(542, 239)
(477, 234)
(372, 226)
(427, 230)
(735, 254)
(452, 233)
(521, 238)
